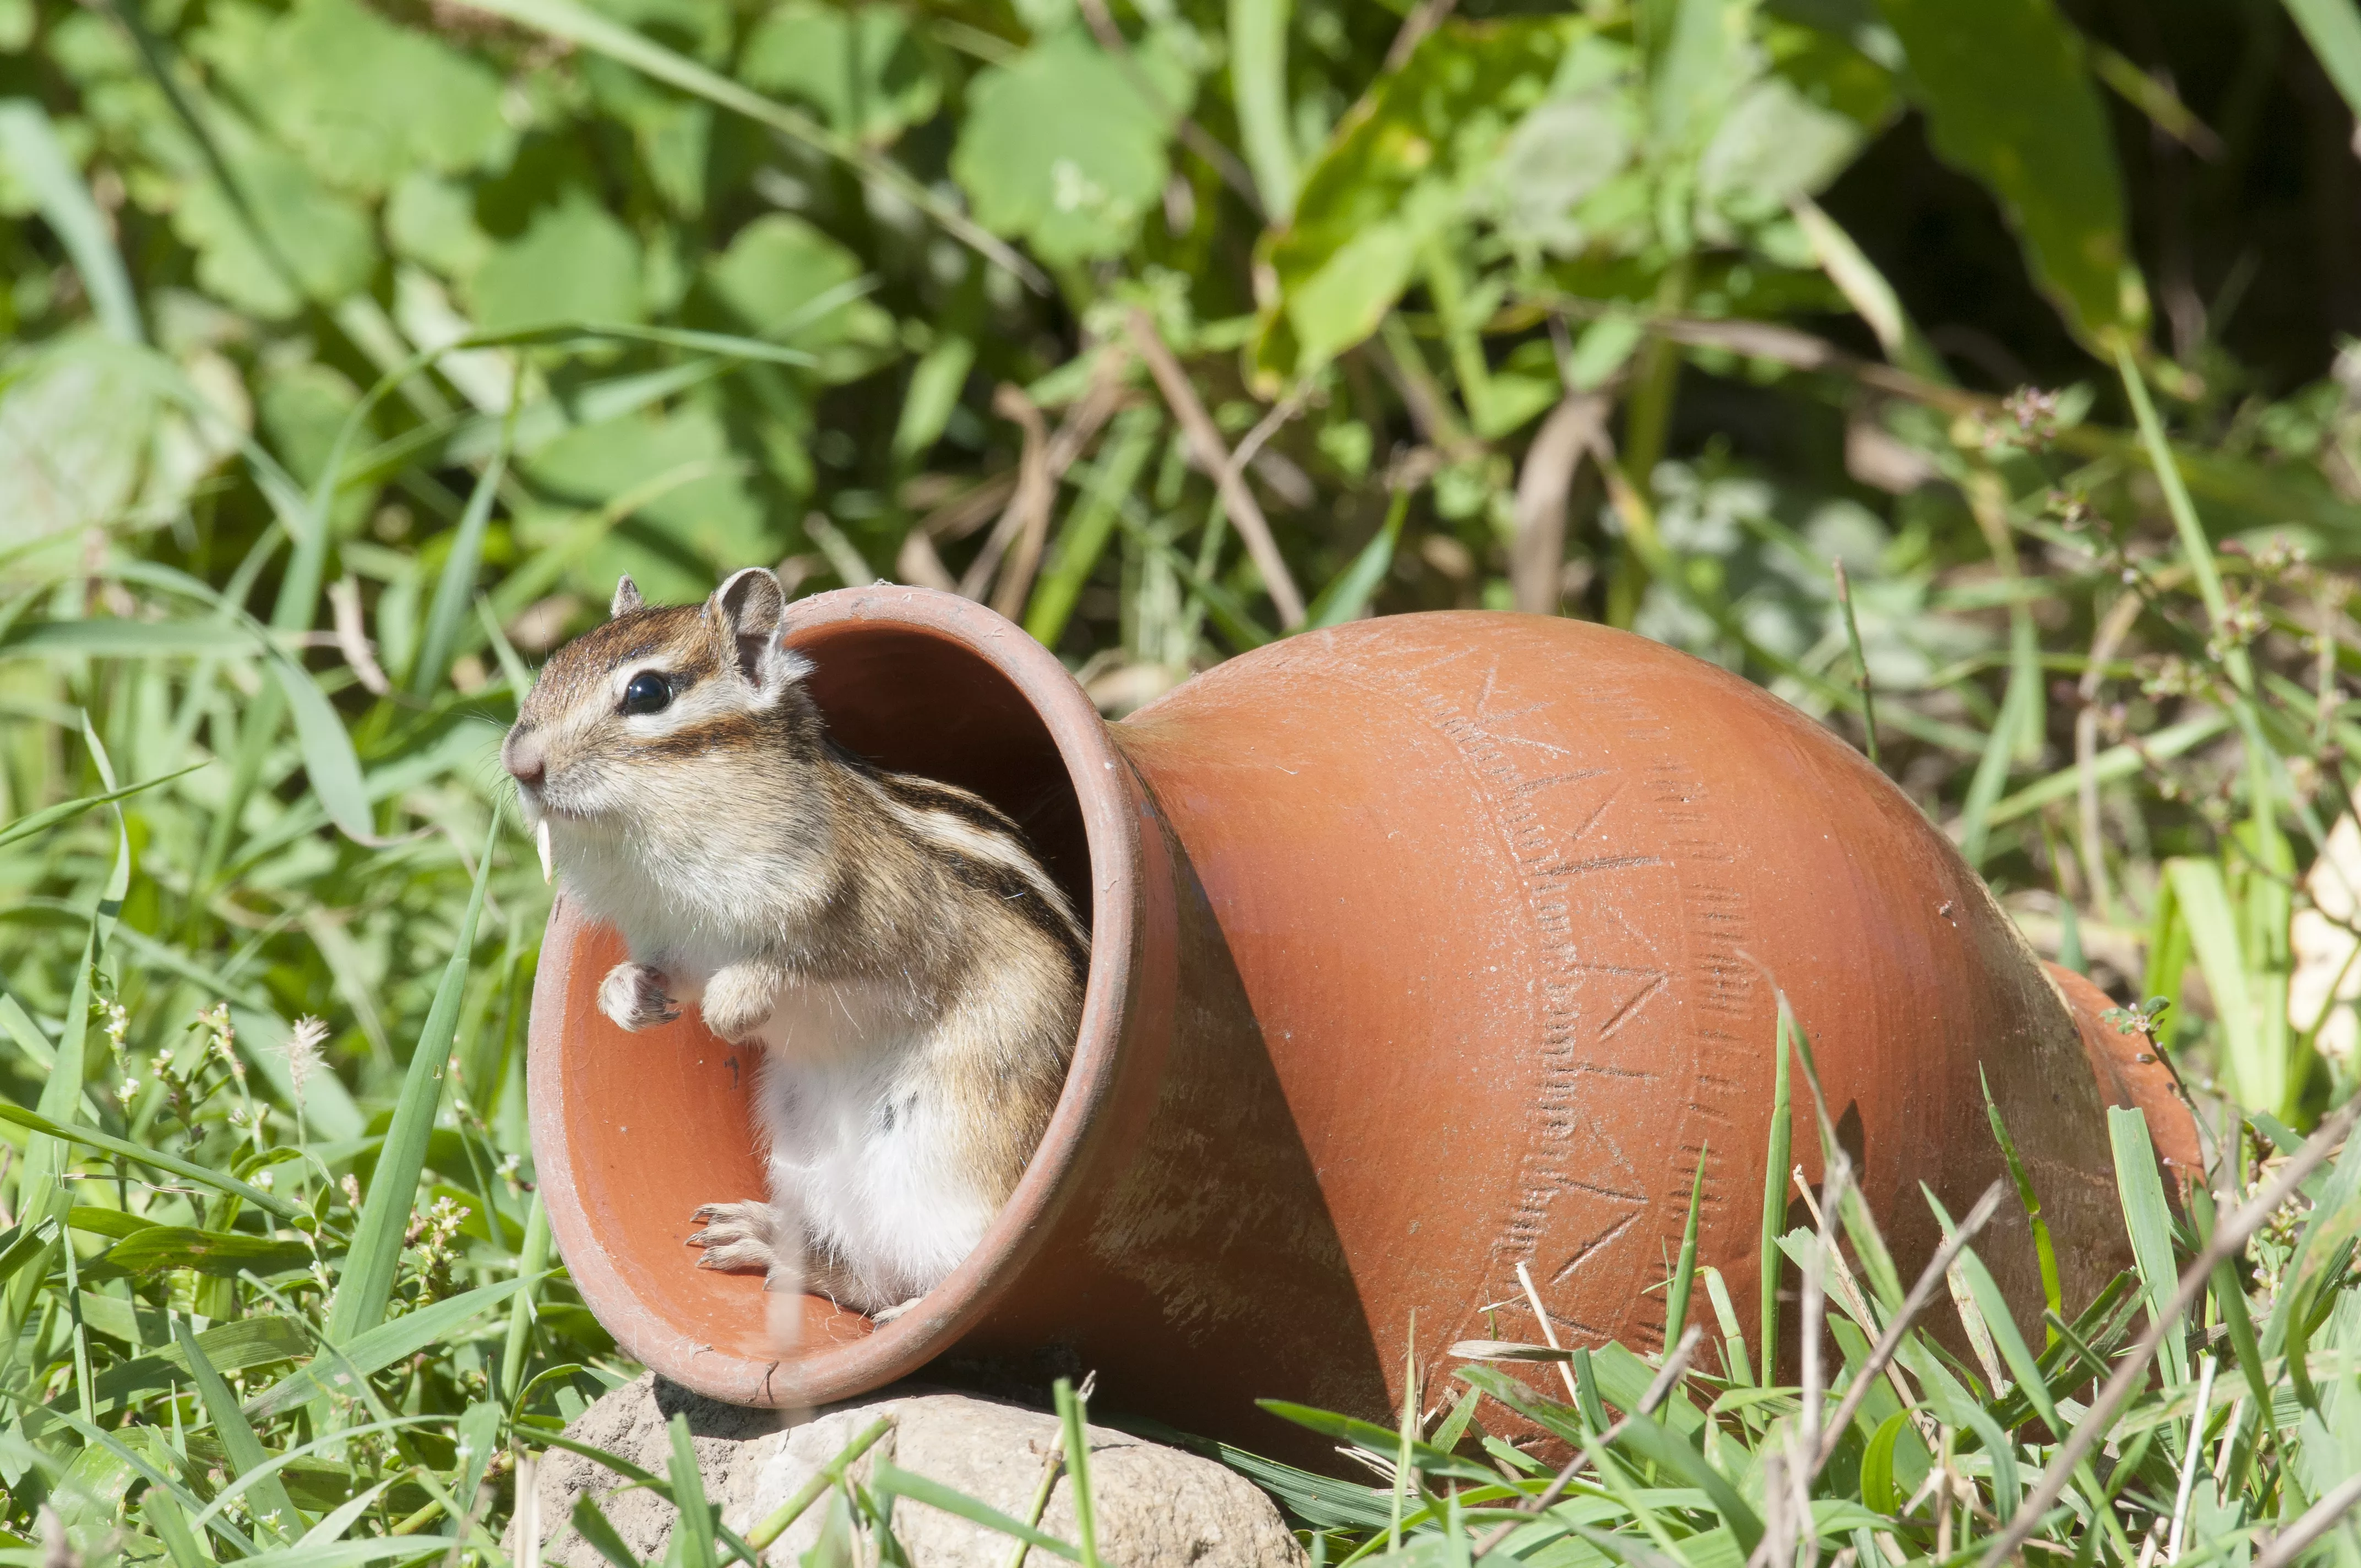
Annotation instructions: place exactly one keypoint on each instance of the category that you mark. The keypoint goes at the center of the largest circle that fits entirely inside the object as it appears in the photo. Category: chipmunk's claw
(885, 1315)
(736, 1235)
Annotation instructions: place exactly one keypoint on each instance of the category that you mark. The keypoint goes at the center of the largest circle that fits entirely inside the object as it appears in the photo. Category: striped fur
(913, 974)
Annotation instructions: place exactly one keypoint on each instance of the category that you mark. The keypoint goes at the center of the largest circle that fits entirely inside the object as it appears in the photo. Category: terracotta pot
(1421, 947)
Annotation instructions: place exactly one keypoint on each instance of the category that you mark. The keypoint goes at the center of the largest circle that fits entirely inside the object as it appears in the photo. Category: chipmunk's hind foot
(739, 1235)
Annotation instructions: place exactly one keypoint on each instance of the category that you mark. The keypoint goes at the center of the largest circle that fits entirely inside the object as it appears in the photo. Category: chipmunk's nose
(521, 753)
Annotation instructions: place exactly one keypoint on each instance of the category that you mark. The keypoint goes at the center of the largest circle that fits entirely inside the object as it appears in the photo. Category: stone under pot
(1421, 947)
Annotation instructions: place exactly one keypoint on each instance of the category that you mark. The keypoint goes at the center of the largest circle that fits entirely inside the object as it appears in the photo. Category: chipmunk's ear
(627, 598)
(745, 612)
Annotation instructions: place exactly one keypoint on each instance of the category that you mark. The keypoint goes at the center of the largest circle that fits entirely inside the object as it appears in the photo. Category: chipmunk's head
(666, 735)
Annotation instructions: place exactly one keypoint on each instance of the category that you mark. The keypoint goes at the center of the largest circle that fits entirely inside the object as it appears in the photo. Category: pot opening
(656, 1123)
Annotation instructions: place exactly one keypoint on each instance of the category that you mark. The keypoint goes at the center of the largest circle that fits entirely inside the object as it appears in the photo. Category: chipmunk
(913, 974)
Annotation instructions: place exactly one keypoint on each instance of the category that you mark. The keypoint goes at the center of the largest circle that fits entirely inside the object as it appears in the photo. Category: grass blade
(1774, 1201)
(30, 143)
(2045, 1250)
(1070, 1413)
(455, 591)
(1344, 599)
(367, 1287)
(47, 817)
(694, 1542)
(2148, 1220)
(2332, 28)
(328, 760)
(274, 1511)
(591, 1524)
(341, 1368)
(531, 1260)
(187, 1170)
(889, 1480)
(1089, 526)
(1676, 1295)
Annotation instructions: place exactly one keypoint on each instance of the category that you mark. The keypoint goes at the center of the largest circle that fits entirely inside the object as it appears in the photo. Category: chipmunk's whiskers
(540, 842)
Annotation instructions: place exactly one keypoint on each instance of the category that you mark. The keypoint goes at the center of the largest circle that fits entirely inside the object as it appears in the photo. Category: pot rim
(1111, 813)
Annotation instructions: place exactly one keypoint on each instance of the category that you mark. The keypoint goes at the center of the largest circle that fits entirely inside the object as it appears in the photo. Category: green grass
(352, 351)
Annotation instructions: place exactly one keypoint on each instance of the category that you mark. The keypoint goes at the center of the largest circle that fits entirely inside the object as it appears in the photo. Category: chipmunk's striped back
(981, 844)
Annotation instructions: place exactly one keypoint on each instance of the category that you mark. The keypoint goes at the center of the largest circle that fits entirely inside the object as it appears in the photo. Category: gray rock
(1155, 1506)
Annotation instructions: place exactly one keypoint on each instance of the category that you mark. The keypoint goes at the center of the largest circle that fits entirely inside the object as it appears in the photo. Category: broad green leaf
(574, 263)
(780, 273)
(1695, 64)
(432, 221)
(1400, 168)
(76, 425)
(695, 517)
(1538, 190)
(1773, 146)
(861, 67)
(1061, 148)
(572, 22)
(2007, 101)
(362, 100)
(323, 239)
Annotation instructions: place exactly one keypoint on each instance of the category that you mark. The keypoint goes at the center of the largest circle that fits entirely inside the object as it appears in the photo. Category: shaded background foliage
(354, 347)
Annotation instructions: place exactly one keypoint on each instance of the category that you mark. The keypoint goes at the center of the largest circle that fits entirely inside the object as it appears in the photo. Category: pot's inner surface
(662, 1121)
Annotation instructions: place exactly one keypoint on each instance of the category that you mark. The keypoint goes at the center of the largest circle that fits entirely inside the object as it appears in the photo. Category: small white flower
(303, 1054)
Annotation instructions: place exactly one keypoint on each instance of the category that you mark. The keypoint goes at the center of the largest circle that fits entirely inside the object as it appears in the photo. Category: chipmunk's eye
(648, 693)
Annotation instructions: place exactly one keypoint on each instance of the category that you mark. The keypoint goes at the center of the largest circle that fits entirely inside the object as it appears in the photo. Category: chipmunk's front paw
(633, 997)
(885, 1315)
(737, 1235)
(739, 1000)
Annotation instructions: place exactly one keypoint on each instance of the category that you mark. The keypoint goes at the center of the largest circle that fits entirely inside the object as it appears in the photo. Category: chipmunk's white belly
(859, 1147)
